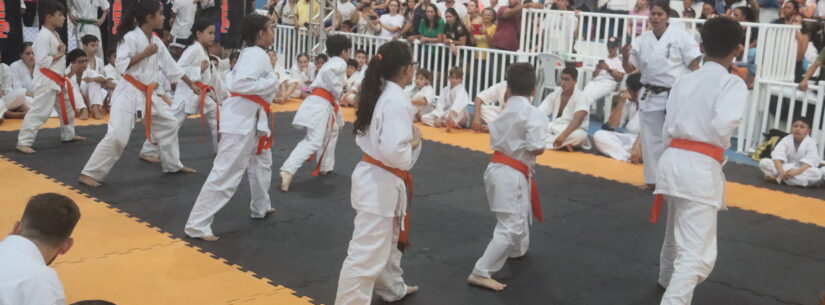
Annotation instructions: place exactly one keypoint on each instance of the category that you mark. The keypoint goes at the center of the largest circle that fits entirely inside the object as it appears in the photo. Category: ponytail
(391, 58)
(135, 16)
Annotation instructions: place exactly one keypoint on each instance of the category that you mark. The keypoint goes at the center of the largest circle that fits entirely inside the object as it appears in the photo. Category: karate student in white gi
(421, 93)
(301, 76)
(22, 73)
(12, 101)
(196, 64)
(703, 110)
(94, 79)
(795, 159)
(662, 55)
(488, 104)
(451, 110)
(78, 62)
(381, 182)
(623, 144)
(36, 240)
(354, 78)
(517, 136)
(83, 15)
(246, 137)
(142, 59)
(49, 85)
(319, 115)
(607, 75)
(569, 112)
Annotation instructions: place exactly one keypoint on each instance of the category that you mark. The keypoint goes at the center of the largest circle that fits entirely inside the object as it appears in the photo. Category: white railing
(289, 42)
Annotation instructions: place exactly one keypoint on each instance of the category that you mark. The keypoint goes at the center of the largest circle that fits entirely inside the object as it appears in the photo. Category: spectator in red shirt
(509, 21)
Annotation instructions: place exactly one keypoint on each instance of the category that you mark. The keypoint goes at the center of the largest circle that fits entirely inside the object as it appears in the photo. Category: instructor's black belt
(656, 89)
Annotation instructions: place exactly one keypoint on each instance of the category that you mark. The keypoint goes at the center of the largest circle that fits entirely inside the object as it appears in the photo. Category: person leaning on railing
(507, 30)
(431, 28)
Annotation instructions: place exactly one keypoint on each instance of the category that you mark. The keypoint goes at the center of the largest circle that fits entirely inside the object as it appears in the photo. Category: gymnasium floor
(594, 247)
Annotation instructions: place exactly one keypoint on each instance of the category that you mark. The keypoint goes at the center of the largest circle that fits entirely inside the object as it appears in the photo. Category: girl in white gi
(95, 83)
(662, 55)
(196, 64)
(244, 128)
(517, 135)
(703, 110)
(83, 15)
(301, 76)
(569, 112)
(143, 60)
(795, 159)
(381, 183)
(624, 146)
(319, 115)
(451, 111)
(488, 104)
(50, 90)
(421, 93)
(607, 75)
(12, 101)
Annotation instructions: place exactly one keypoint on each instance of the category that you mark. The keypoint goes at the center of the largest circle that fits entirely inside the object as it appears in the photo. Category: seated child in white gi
(795, 159)
(12, 101)
(624, 146)
(421, 93)
(451, 111)
(301, 75)
(488, 104)
(94, 82)
(354, 78)
(517, 136)
(77, 66)
(568, 109)
(320, 60)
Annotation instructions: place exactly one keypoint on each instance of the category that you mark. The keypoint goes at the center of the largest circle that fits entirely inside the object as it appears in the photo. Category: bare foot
(485, 282)
(75, 139)
(88, 181)
(148, 158)
(286, 179)
(411, 290)
(25, 149)
(209, 238)
(647, 187)
(186, 170)
(770, 178)
(84, 114)
(324, 173)
(97, 113)
(569, 148)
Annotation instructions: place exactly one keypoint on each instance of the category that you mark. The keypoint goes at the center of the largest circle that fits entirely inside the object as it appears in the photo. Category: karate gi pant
(653, 142)
(211, 114)
(94, 91)
(598, 89)
(373, 262)
(121, 123)
(313, 143)
(613, 144)
(810, 177)
(460, 118)
(236, 155)
(46, 100)
(15, 98)
(577, 138)
(689, 249)
(511, 239)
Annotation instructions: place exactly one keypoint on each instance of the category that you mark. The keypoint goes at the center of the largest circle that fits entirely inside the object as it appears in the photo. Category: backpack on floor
(765, 148)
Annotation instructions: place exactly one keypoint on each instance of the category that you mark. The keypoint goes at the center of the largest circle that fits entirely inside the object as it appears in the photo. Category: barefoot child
(421, 93)
(77, 61)
(245, 144)
(517, 135)
(350, 98)
(795, 159)
(50, 90)
(451, 111)
(94, 78)
(381, 182)
(143, 59)
(319, 115)
(703, 110)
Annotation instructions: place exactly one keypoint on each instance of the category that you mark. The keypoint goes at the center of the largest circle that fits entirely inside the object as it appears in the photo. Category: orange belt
(501, 158)
(201, 103)
(710, 150)
(264, 142)
(64, 84)
(323, 93)
(404, 236)
(149, 91)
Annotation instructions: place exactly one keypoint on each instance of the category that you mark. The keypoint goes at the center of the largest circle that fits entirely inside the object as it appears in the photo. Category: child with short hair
(93, 84)
(795, 159)
(78, 61)
(301, 76)
(320, 60)
(421, 93)
(451, 111)
(350, 99)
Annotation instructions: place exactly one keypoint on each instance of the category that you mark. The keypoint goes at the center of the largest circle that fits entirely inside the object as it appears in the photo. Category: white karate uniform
(128, 103)
(519, 129)
(304, 78)
(558, 123)
(314, 114)
(427, 93)
(492, 101)
(603, 84)
(46, 91)
(793, 157)
(110, 72)
(353, 85)
(452, 104)
(705, 106)
(24, 276)
(12, 97)
(242, 123)
(661, 61)
(184, 19)
(380, 202)
(77, 90)
(87, 10)
(21, 80)
(96, 92)
(618, 145)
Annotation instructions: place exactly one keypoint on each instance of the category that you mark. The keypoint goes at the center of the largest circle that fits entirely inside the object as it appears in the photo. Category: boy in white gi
(50, 90)
(569, 111)
(78, 61)
(451, 111)
(83, 15)
(607, 75)
(661, 55)
(246, 137)
(703, 110)
(143, 60)
(319, 115)
(517, 136)
(624, 146)
(381, 182)
(488, 104)
(94, 79)
(795, 159)
(421, 93)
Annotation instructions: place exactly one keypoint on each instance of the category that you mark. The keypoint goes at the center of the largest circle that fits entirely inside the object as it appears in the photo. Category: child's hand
(416, 141)
(438, 123)
(61, 49)
(636, 155)
(559, 141)
(204, 65)
(151, 50)
(477, 126)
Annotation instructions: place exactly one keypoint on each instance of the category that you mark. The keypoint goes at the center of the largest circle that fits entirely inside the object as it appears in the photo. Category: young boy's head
(456, 76)
(521, 79)
(90, 43)
(338, 45)
(569, 77)
(77, 60)
(800, 129)
(111, 56)
(423, 78)
(634, 85)
(352, 67)
(320, 60)
(53, 13)
(361, 57)
(716, 38)
(256, 30)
